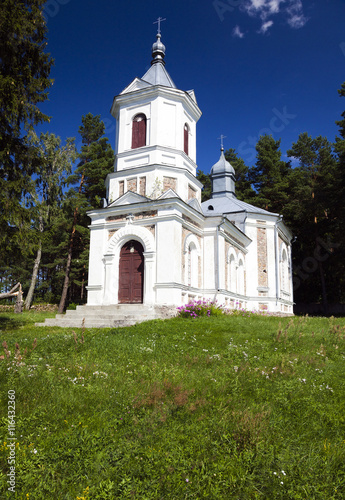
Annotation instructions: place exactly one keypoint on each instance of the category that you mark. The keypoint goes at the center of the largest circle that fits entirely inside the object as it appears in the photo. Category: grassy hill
(226, 407)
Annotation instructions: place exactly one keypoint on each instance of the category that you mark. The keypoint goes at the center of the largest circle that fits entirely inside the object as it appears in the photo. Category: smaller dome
(222, 166)
(158, 51)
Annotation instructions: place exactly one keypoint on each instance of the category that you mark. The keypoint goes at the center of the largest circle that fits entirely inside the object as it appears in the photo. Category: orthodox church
(154, 243)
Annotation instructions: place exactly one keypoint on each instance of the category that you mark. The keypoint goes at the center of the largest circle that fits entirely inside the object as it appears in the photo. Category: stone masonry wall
(169, 183)
(191, 192)
(142, 186)
(262, 257)
(132, 185)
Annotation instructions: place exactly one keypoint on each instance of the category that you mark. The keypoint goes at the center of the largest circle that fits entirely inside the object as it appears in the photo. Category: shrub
(202, 307)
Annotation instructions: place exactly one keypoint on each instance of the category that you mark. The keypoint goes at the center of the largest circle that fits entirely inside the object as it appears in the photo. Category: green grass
(226, 407)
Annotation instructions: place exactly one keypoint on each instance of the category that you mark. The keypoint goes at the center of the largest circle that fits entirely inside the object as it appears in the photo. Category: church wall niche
(284, 270)
(191, 239)
(169, 183)
(121, 188)
(142, 186)
(132, 184)
(191, 192)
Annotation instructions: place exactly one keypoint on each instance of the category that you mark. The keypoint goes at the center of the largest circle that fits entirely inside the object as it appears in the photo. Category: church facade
(155, 243)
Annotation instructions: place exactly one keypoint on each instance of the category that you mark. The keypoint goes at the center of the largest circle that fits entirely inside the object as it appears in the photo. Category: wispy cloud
(236, 32)
(266, 9)
(296, 17)
(262, 8)
(265, 26)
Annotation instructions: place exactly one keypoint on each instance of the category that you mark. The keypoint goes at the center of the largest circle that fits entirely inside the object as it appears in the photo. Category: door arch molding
(111, 263)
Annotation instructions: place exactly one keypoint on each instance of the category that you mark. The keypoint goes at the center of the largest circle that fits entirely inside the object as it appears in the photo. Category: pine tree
(270, 175)
(205, 179)
(96, 161)
(313, 214)
(340, 190)
(24, 83)
(243, 188)
(55, 163)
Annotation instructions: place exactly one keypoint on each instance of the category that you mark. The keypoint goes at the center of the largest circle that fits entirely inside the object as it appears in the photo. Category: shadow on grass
(10, 323)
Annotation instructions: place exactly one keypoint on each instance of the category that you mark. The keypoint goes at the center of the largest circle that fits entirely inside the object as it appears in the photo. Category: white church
(155, 243)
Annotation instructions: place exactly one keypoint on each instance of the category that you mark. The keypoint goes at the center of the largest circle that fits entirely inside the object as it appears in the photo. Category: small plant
(202, 307)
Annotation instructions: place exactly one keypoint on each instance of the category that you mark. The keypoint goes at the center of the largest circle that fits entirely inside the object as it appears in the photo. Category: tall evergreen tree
(312, 216)
(96, 161)
(205, 179)
(269, 176)
(243, 188)
(340, 141)
(55, 164)
(340, 189)
(24, 83)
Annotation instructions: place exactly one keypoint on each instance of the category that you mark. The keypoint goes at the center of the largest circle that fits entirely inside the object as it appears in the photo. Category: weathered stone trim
(262, 256)
(191, 221)
(113, 218)
(235, 240)
(142, 215)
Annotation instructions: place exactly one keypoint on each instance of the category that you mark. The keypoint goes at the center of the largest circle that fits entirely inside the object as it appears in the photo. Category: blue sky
(257, 66)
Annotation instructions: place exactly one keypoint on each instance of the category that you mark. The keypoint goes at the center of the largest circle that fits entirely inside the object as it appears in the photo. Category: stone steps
(113, 316)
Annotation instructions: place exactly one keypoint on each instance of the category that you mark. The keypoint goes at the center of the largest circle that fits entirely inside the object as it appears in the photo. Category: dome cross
(159, 21)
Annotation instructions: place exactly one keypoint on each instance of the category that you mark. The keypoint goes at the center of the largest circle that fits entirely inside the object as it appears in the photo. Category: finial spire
(159, 21)
(158, 48)
(221, 141)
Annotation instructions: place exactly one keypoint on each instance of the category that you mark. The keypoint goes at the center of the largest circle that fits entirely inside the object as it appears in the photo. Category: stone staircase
(112, 316)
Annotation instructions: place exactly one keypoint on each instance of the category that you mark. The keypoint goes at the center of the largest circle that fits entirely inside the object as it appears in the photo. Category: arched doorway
(131, 273)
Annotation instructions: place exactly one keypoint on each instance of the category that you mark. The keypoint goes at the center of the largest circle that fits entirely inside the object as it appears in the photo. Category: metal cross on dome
(159, 21)
(221, 140)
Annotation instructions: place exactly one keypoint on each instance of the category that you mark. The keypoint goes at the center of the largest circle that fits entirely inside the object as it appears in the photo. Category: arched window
(185, 138)
(240, 275)
(192, 252)
(139, 131)
(284, 272)
(192, 265)
(232, 274)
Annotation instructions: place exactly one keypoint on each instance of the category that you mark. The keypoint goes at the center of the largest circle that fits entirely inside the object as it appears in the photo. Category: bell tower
(156, 135)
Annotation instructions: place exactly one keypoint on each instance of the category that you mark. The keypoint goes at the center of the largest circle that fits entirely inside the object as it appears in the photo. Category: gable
(127, 199)
(169, 193)
(136, 84)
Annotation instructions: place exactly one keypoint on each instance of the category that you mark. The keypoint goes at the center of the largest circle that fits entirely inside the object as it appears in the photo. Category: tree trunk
(30, 294)
(18, 308)
(66, 281)
(70, 251)
(82, 286)
(11, 293)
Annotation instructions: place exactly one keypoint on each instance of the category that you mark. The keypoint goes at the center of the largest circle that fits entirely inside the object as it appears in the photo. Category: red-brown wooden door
(131, 275)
